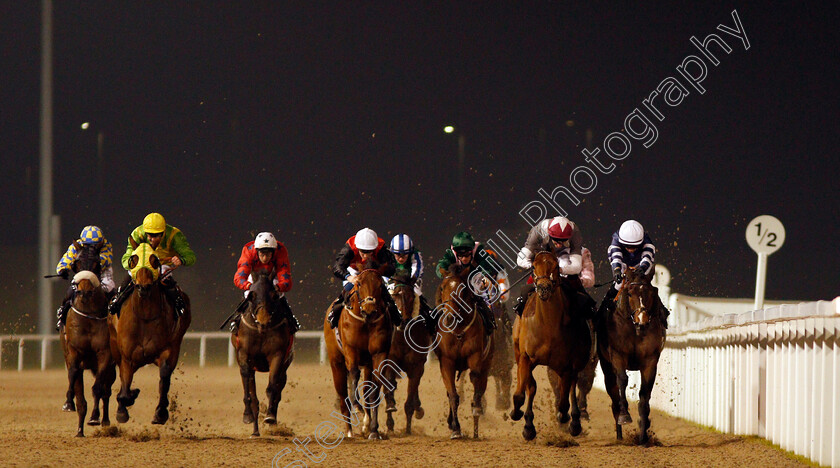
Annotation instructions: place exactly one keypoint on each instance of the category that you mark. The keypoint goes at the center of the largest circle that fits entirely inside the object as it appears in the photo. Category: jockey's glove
(64, 274)
(617, 276)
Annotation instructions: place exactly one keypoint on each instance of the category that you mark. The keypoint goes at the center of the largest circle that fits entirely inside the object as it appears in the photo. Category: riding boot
(527, 290)
(607, 305)
(287, 312)
(664, 311)
(425, 312)
(122, 294)
(173, 293)
(487, 315)
(393, 310)
(61, 314)
(335, 313)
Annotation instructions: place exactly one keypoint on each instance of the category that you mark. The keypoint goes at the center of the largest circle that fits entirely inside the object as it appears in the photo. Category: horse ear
(74, 267)
(132, 262)
(154, 261)
(650, 275)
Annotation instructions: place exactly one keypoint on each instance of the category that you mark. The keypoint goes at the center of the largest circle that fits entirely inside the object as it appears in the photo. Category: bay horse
(585, 379)
(549, 334)
(632, 338)
(85, 338)
(147, 330)
(365, 332)
(405, 356)
(263, 343)
(464, 345)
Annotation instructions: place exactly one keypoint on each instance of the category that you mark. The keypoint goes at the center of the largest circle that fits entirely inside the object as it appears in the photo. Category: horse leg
(529, 431)
(127, 396)
(276, 384)
(373, 406)
(96, 391)
(562, 404)
(447, 372)
(69, 405)
(390, 402)
(339, 372)
(523, 375)
(78, 382)
(109, 375)
(621, 377)
(648, 379)
(584, 386)
(354, 375)
(167, 365)
(412, 399)
(574, 427)
(479, 382)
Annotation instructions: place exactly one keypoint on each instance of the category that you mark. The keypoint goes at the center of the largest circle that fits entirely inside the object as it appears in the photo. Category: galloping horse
(549, 334)
(405, 356)
(365, 331)
(463, 344)
(85, 338)
(147, 330)
(263, 343)
(501, 369)
(632, 339)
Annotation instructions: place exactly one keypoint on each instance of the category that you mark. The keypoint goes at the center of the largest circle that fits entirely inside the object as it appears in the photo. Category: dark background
(315, 120)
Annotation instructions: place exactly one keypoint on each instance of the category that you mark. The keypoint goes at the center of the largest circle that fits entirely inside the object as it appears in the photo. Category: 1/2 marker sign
(765, 234)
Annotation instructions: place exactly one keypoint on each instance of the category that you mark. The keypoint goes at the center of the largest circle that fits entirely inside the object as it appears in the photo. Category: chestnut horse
(263, 343)
(549, 334)
(463, 344)
(365, 331)
(632, 338)
(85, 338)
(147, 330)
(407, 357)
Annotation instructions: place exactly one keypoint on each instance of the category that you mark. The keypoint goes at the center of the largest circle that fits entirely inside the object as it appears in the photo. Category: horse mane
(460, 271)
(371, 264)
(401, 277)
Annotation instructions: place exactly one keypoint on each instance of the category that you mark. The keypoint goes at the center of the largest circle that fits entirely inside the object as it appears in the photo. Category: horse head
(403, 294)
(87, 291)
(640, 296)
(368, 292)
(264, 299)
(88, 258)
(455, 293)
(146, 272)
(546, 274)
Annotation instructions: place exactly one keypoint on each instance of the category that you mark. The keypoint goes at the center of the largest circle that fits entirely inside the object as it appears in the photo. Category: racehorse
(463, 344)
(85, 338)
(263, 343)
(406, 356)
(501, 369)
(147, 330)
(549, 334)
(365, 332)
(632, 338)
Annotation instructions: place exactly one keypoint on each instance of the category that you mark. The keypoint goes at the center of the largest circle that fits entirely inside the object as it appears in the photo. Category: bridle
(363, 302)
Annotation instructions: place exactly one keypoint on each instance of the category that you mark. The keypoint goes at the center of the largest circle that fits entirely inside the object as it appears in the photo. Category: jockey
(563, 238)
(409, 265)
(264, 254)
(631, 247)
(363, 247)
(466, 251)
(90, 235)
(170, 246)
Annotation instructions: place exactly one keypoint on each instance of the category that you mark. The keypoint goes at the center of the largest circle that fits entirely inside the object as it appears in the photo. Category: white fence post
(44, 348)
(1, 353)
(231, 351)
(323, 351)
(20, 355)
(202, 351)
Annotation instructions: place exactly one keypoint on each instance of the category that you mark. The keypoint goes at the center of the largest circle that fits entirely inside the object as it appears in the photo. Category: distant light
(448, 129)
(570, 123)
(85, 125)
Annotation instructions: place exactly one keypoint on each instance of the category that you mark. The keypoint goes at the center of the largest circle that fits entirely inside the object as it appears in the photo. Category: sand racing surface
(206, 429)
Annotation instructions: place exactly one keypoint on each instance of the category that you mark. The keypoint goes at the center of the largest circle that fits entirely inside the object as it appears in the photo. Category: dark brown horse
(463, 344)
(263, 343)
(549, 334)
(632, 338)
(408, 357)
(365, 331)
(85, 338)
(147, 330)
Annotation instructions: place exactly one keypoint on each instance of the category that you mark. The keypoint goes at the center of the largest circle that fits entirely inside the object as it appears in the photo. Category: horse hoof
(407, 431)
(161, 416)
(106, 423)
(563, 418)
(69, 406)
(529, 432)
(374, 436)
(79, 433)
(419, 413)
(122, 416)
(516, 414)
(255, 435)
(349, 434)
(93, 422)
(575, 428)
(624, 418)
(247, 418)
(270, 420)
(584, 414)
(391, 408)
(455, 435)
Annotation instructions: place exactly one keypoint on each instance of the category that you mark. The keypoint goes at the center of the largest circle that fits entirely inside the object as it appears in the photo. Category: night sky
(315, 120)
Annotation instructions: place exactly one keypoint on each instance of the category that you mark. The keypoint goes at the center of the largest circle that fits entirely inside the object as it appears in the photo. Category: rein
(460, 336)
(92, 317)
